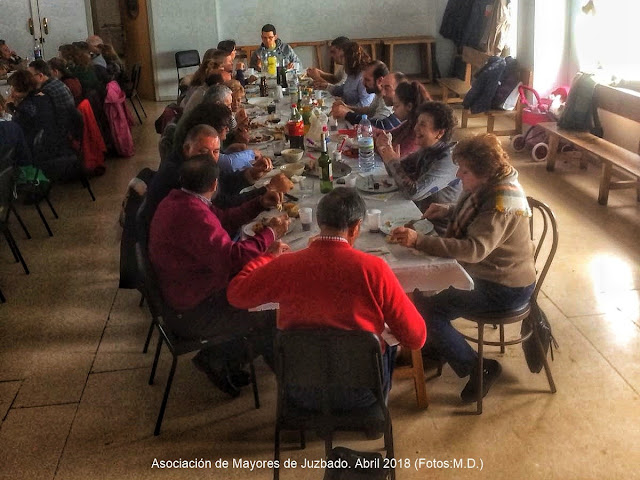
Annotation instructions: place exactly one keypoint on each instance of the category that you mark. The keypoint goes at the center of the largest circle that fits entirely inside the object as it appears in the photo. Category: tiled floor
(75, 403)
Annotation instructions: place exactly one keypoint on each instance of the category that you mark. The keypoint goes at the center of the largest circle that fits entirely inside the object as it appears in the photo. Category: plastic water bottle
(366, 161)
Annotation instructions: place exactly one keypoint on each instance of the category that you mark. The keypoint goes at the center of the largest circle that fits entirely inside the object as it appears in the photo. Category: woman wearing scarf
(488, 233)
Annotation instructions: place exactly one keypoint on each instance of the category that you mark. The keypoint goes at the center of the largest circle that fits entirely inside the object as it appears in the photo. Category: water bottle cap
(364, 116)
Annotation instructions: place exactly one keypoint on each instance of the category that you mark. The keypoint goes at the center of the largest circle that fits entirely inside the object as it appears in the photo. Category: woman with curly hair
(406, 101)
(488, 233)
(427, 175)
(353, 91)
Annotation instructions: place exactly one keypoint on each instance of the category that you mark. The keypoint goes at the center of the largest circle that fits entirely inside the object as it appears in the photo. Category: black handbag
(538, 320)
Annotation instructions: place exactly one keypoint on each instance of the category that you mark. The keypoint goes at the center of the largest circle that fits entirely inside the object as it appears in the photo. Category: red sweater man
(330, 284)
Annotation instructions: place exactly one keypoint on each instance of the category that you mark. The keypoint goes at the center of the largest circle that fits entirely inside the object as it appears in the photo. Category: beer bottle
(326, 167)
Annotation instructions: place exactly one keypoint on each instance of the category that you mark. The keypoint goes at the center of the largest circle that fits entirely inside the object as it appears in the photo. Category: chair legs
(135, 109)
(15, 250)
(85, 184)
(44, 220)
(19, 218)
(165, 399)
(252, 373)
(2, 299)
(480, 367)
(545, 362)
(141, 106)
(149, 335)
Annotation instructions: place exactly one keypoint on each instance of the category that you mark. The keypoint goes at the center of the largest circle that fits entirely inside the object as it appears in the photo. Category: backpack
(538, 320)
(580, 110)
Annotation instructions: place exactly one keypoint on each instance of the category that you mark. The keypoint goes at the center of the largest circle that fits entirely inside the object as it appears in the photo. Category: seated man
(332, 285)
(204, 139)
(194, 258)
(389, 84)
(380, 114)
(63, 102)
(324, 79)
(94, 42)
(9, 60)
(271, 42)
(11, 137)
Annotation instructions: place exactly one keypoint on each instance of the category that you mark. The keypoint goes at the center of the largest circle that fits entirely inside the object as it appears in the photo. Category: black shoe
(217, 376)
(492, 370)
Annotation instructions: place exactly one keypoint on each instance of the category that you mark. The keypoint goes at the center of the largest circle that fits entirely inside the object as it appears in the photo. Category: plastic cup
(306, 218)
(373, 219)
(350, 181)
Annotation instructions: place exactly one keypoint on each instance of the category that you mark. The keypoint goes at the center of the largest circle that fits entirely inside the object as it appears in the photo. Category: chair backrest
(325, 359)
(7, 158)
(135, 76)
(547, 233)
(187, 58)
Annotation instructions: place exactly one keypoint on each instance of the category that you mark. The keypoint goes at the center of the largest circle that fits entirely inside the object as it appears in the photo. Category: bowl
(292, 155)
(292, 169)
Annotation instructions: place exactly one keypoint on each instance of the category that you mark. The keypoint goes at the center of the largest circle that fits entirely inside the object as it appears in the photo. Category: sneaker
(217, 376)
(492, 370)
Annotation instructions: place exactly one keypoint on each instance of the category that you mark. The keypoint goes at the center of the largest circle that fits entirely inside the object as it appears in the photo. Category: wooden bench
(424, 43)
(474, 60)
(614, 159)
(319, 51)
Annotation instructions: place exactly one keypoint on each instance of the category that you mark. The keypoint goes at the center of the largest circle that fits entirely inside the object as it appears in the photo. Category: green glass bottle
(326, 167)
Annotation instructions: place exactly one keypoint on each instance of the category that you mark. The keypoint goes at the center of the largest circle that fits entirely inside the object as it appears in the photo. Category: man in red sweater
(194, 258)
(332, 285)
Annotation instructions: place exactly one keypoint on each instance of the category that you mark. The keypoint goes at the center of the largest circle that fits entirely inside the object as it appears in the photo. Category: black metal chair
(324, 360)
(132, 92)
(184, 59)
(177, 346)
(7, 195)
(547, 239)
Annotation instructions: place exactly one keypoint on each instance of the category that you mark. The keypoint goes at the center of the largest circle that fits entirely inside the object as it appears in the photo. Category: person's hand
(278, 247)
(436, 211)
(290, 65)
(404, 236)
(280, 183)
(339, 111)
(242, 119)
(279, 224)
(240, 66)
(339, 101)
(271, 199)
(320, 84)
(259, 64)
(314, 73)
(241, 135)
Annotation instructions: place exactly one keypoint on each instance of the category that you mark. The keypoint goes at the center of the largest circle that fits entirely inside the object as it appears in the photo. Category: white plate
(260, 101)
(259, 138)
(266, 121)
(423, 226)
(367, 184)
(295, 227)
(252, 88)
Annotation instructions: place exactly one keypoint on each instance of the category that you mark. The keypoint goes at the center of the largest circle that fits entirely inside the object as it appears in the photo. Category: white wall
(179, 25)
(186, 24)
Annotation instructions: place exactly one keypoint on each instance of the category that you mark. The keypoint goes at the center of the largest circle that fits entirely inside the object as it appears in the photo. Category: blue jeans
(443, 340)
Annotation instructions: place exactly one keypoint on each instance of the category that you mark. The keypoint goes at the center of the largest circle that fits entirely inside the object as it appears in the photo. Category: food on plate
(259, 138)
(281, 183)
(386, 183)
(259, 226)
(292, 209)
(390, 239)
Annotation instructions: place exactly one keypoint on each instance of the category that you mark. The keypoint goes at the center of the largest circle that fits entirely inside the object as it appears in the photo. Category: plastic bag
(317, 120)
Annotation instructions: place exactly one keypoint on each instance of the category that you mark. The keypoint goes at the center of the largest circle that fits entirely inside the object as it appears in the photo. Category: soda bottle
(366, 161)
(295, 127)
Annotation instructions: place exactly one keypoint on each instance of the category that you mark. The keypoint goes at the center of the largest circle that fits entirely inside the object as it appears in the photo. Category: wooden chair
(548, 239)
(323, 359)
(318, 51)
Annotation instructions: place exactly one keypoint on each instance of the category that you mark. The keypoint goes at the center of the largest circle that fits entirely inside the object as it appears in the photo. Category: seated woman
(199, 84)
(34, 112)
(115, 66)
(353, 91)
(407, 99)
(488, 234)
(60, 71)
(427, 175)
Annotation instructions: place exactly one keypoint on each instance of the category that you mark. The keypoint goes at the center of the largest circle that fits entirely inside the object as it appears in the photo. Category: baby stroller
(534, 113)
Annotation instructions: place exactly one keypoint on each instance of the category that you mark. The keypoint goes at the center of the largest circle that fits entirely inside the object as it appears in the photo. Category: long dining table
(414, 269)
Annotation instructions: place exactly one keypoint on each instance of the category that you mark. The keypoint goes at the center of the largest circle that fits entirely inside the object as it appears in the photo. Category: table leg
(429, 64)
(553, 150)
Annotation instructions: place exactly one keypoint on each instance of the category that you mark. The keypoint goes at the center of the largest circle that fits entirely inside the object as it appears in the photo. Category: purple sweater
(191, 251)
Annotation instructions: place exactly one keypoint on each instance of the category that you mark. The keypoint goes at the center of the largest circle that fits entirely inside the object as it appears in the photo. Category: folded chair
(546, 246)
(177, 346)
(326, 359)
